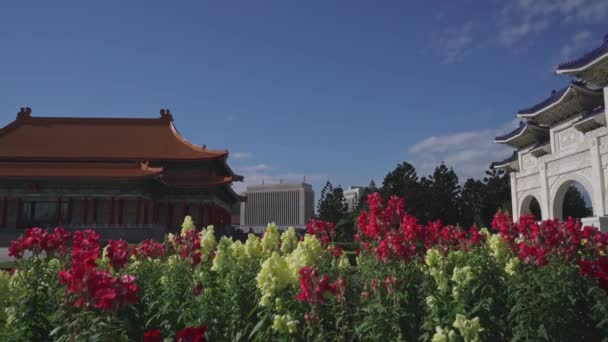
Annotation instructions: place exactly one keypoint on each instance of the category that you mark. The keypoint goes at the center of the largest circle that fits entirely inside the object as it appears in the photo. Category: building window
(41, 214)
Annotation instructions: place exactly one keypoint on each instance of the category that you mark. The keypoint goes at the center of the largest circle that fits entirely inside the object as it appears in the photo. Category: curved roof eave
(555, 100)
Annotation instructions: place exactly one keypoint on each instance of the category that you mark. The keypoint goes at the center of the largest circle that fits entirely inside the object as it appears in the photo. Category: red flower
(192, 334)
(153, 336)
(118, 252)
(312, 288)
(197, 290)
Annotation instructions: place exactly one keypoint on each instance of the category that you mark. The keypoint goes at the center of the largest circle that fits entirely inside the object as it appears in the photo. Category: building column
(597, 178)
(121, 210)
(19, 210)
(201, 215)
(606, 103)
(138, 210)
(146, 204)
(111, 211)
(242, 213)
(155, 212)
(58, 217)
(4, 211)
(514, 199)
(70, 208)
(95, 209)
(169, 216)
(85, 211)
(186, 208)
(545, 208)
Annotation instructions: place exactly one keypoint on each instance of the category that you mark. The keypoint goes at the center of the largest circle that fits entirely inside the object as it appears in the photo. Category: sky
(327, 90)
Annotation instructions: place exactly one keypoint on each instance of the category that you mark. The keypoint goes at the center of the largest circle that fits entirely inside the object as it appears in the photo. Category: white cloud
(575, 45)
(469, 153)
(240, 155)
(455, 43)
(523, 18)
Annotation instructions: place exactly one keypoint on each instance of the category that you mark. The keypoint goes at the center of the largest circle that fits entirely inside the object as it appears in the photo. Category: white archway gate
(575, 157)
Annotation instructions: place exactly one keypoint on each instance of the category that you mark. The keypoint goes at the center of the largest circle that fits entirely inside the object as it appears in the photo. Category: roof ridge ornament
(165, 114)
(24, 113)
(606, 38)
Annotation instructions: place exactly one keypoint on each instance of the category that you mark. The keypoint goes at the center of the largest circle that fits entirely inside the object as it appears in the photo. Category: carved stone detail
(528, 161)
(527, 183)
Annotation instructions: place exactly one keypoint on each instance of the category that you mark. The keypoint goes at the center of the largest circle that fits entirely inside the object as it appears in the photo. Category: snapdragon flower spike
(38, 240)
(389, 232)
(324, 231)
(153, 336)
(91, 287)
(192, 334)
(313, 288)
(118, 252)
(150, 249)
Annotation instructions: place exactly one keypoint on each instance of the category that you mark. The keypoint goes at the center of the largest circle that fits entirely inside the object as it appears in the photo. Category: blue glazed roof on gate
(517, 131)
(586, 59)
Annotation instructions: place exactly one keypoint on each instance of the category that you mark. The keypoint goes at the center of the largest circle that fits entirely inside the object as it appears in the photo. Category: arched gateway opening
(530, 206)
(572, 200)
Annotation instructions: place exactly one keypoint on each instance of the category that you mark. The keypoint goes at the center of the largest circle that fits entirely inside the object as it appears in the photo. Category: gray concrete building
(285, 204)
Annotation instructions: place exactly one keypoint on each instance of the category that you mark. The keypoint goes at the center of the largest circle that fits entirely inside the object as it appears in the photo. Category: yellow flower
(512, 266)
(223, 255)
(253, 247)
(499, 248)
(444, 335)
(289, 240)
(462, 276)
(344, 263)
(273, 277)
(469, 328)
(271, 241)
(188, 225)
(284, 324)
(208, 243)
(307, 253)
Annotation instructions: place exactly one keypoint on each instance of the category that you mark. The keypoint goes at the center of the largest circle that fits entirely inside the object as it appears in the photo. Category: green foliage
(331, 206)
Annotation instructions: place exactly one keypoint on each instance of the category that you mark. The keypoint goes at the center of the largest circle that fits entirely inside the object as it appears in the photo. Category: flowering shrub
(404, 280)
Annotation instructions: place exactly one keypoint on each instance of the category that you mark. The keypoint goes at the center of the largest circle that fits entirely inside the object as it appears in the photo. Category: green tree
(471, 202)
(403, 182)
(331, 205)
(574, 204)
(444, 192)
(497, 195)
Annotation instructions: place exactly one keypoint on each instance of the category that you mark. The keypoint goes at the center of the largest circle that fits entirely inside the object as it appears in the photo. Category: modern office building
(284, 204)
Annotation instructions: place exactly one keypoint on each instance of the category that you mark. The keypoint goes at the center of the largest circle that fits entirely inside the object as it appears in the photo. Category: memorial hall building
(129, 178)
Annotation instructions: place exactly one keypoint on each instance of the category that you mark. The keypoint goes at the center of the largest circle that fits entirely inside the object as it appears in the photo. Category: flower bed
(410, 281)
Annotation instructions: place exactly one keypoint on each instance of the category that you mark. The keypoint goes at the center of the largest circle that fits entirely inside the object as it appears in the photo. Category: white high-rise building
(284, 204)
(352, 196)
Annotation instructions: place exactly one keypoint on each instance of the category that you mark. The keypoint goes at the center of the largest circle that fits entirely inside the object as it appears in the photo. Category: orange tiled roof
(76, 170)
(195, 180)
(102, 139)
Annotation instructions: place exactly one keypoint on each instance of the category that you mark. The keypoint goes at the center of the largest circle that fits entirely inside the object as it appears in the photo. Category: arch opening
(531, 206)
(572, 200)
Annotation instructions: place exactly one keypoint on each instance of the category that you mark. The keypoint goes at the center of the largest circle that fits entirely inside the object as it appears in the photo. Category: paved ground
(4, 255)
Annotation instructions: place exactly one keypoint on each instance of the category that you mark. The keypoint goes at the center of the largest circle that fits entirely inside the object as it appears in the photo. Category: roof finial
(553, 92)
(606, 38)
(24, 113)
(166, 114)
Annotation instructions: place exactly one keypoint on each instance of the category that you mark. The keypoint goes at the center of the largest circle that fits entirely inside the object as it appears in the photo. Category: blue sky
(338, 90)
